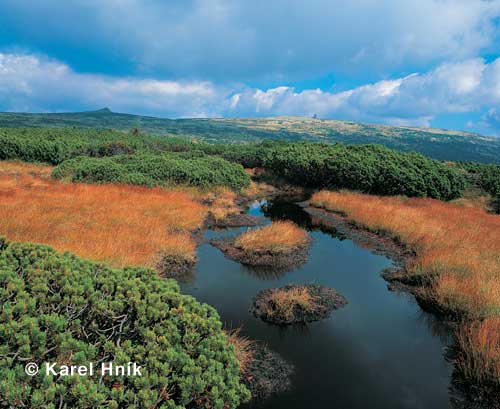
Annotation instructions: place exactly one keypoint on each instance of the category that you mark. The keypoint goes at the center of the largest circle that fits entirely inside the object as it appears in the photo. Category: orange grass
(285, 300)
(243, 347)
(479, 356)
(120, 224)
(224, 204)
(279, 236)
(458, 248)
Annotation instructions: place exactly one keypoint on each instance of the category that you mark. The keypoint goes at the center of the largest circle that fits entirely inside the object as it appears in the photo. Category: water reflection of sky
(377, 352)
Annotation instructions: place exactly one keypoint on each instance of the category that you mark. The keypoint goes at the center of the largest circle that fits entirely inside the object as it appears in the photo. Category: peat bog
(381, 350)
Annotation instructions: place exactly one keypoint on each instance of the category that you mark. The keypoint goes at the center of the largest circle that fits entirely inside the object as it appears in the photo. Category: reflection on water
(379, 352)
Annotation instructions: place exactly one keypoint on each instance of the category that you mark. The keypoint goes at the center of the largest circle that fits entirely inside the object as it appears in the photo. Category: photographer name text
(90, 369)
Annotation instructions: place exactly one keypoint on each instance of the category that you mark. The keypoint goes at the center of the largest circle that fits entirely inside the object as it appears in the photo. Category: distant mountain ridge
(436, 143)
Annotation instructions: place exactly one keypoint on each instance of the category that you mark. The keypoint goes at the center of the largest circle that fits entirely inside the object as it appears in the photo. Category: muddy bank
(177, 268)
(364, 238)
(397, 276)
(279, 261)
(234, 220)
(378, 243)
(267, 373)
(322, 301)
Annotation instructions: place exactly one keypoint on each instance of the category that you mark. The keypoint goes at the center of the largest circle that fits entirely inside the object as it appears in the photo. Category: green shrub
(25, 146)
(53, 146)
(169, 160)
(192, 169)
(487, 177)
(58, 308)
(367, 168)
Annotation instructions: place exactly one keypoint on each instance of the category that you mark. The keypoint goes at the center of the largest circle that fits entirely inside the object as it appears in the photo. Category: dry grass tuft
(479, 356)
(243, 347)
(222, 202)
(122, 225)
(280, 236)
(285, 301)
(257, 189)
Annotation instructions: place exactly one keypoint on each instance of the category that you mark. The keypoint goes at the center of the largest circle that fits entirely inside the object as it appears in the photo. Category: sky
(429, 63)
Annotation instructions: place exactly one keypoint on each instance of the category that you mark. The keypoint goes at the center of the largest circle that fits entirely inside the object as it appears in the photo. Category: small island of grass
(293, 304)
(280, 245)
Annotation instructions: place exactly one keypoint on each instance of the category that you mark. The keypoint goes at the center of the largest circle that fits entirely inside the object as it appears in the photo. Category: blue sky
(413, 62)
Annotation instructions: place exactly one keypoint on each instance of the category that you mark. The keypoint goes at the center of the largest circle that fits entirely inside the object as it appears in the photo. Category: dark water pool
(379, 352)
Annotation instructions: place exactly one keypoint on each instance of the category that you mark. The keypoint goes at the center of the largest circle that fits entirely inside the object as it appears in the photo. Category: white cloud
(412, 100)
(34, 83)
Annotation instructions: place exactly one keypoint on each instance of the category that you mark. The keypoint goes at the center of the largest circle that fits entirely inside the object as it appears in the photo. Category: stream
(381, 351)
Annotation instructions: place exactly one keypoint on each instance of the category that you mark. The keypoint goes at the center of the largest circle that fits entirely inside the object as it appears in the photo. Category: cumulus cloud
(240, 40)
(33, 83)
(451, 88)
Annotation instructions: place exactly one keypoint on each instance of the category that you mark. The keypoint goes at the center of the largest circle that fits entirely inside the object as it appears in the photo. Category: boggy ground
(262, 370)
(125, 225)
(114, 223)
(267, 373)
(293, 304)
(448, 257)
(281, 245)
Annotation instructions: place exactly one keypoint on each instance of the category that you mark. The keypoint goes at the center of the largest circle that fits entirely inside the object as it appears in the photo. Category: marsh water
(381, 351)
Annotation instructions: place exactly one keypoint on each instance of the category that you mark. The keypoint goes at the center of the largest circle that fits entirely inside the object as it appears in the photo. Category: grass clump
(62, 309)
(479, 350)
(285, 301)
(296, 303)
(244, 348)
(278, 237)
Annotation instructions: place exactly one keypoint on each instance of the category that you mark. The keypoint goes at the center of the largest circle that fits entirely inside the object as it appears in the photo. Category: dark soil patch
(470, 396)
(280, 261)
(324, 301)
(177, 268)
(374, 241)
(268, 373)
(235, 220)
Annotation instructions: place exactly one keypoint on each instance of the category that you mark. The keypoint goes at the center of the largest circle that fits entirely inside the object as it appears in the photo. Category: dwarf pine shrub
(59, 308)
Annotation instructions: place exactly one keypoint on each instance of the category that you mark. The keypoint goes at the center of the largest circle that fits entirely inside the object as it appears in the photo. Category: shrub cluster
(36, 146)
(155, 169)
(59, 308)
(367, 168)
(56, 145)
(485, 176)
(248, 155)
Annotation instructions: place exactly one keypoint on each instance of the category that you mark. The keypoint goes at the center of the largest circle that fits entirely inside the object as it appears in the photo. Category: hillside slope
(436, 143)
